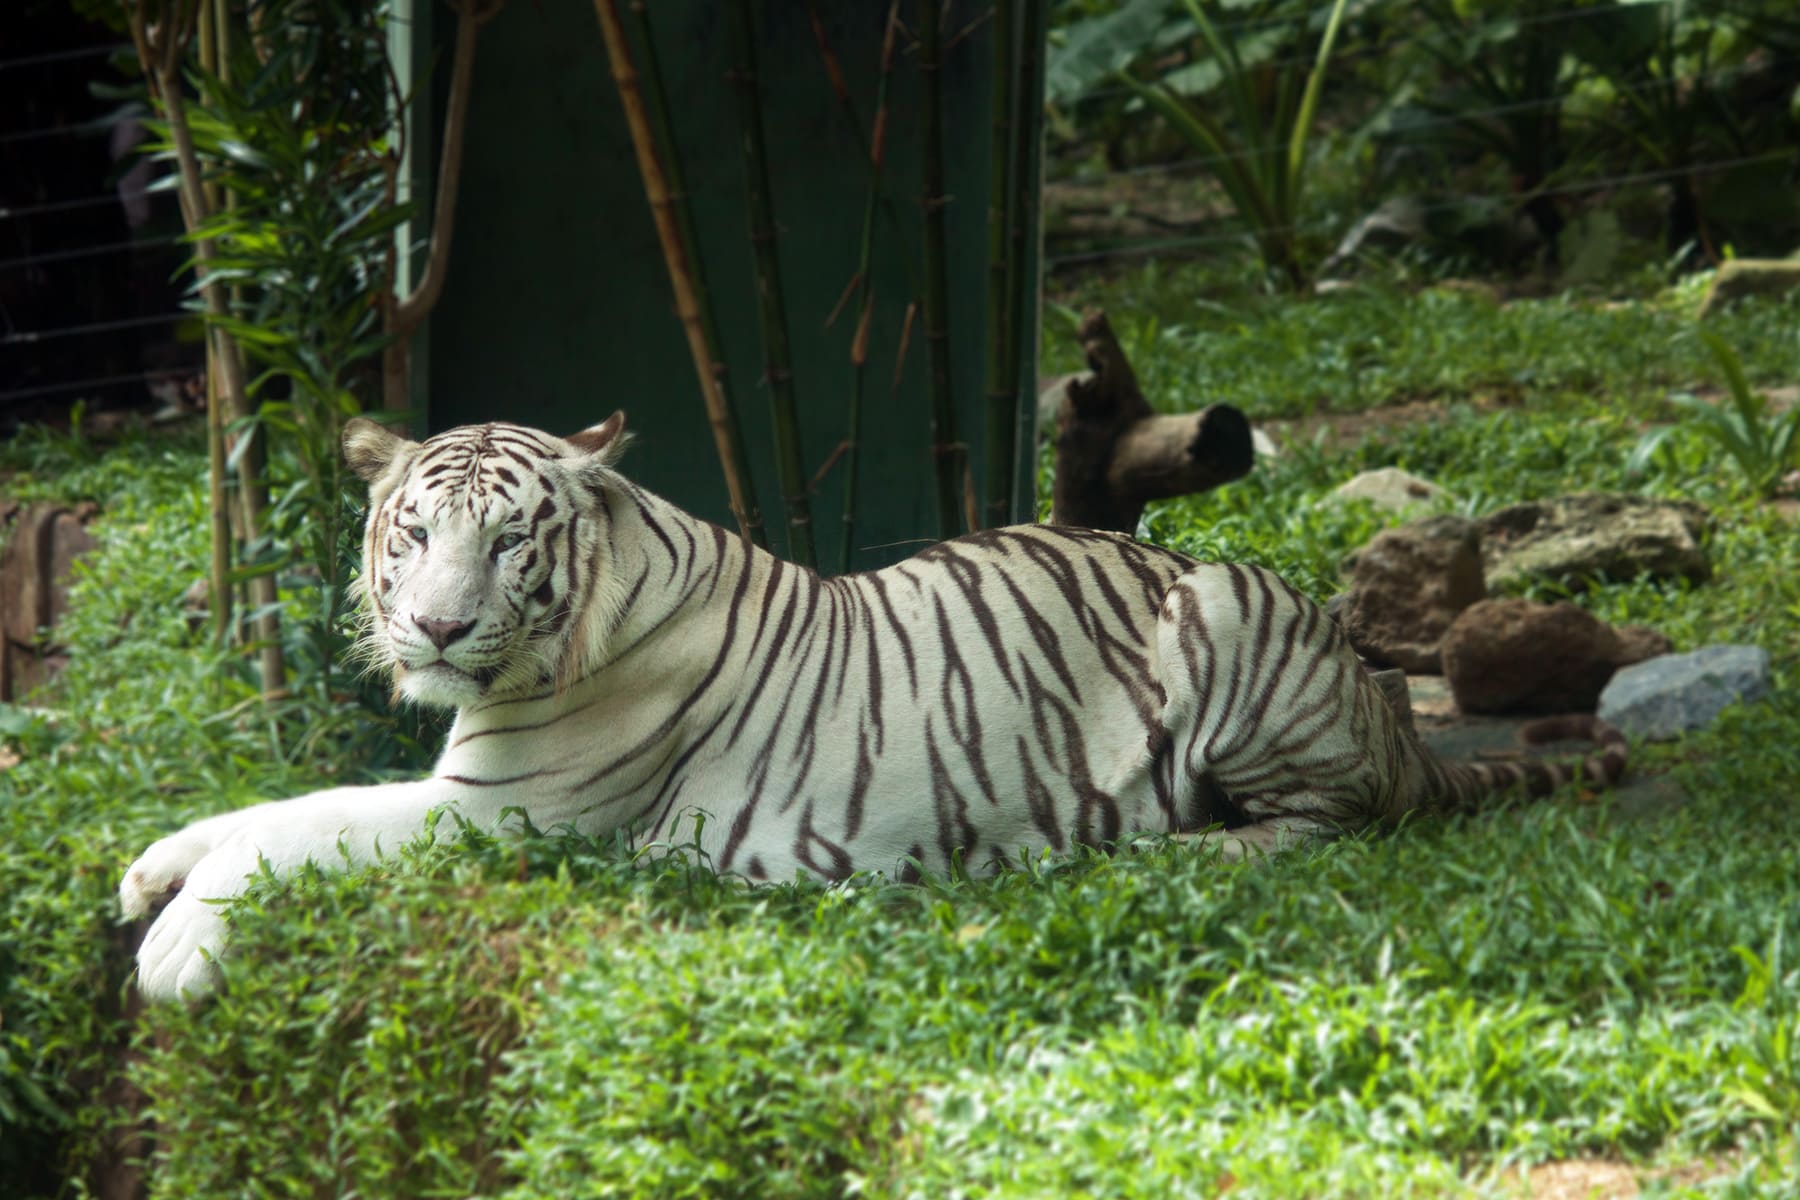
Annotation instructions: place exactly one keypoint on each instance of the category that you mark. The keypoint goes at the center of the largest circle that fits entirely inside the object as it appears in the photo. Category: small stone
(1573, 540)
(1513, 656)
(1406, 586)
(1662, 698)
(36, 565)
(1391, 490)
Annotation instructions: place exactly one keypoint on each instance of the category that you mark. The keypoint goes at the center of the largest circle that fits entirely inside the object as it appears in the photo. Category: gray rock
(1397, 224)
(1391, 490)
(1051, 393)
(1662, 698)
(1449, 224)
(1406, 586)
(1573, 540)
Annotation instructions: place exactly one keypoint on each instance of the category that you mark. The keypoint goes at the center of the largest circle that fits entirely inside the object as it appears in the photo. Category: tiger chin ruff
(618, 664)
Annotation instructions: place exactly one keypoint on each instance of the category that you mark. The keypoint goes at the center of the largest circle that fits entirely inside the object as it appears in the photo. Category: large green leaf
(1096, 48)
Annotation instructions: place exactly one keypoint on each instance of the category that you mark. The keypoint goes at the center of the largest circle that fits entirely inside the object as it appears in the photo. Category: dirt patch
(1341, 429)
(1350, 428)
(1084, 217)
(1600, 1179)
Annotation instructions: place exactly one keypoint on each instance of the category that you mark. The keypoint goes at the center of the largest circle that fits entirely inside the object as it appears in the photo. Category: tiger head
(480, 555)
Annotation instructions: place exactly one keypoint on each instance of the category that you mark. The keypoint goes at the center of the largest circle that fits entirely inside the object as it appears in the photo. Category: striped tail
(1468, 786)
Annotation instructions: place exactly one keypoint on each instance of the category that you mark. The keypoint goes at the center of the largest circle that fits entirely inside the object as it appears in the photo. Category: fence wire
(90, 301)
(16, 337)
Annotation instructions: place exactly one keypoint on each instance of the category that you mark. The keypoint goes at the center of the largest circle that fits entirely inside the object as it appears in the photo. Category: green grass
(1198, 338)
(1395, 1015)
(151, 727)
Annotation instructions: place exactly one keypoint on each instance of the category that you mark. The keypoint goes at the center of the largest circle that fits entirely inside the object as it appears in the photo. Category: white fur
(1001, 693)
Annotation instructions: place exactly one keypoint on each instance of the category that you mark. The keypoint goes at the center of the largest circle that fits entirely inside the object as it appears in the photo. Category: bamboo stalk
(1002, 359)
(777, 353)
(159, 53)
(402, 315)
(255, 459)
(665, 187)
(208, 31)
(1027, 257)
(219, 575)
(471, 15)
(859, 345)
(219, 578)
(947, 452)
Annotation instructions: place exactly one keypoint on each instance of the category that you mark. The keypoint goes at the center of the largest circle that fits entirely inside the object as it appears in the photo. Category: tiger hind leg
(1263, 694)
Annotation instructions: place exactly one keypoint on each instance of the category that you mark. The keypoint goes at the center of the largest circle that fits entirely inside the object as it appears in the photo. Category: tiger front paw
(161, 870)
(179, 956)
(167, 866)
(200, 867)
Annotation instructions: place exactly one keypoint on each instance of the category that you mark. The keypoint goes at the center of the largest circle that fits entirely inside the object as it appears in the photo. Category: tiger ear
(607, 439)
(369, 447)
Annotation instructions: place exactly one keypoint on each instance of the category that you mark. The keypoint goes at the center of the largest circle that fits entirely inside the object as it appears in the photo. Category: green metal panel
(558, 308)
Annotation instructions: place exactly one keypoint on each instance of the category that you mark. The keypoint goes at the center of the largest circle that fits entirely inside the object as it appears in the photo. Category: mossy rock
(1750, 277)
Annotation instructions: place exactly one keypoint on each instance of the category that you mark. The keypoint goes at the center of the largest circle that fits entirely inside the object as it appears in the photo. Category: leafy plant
(1503, 79)
(1259, 155)
(1759, 440)
(1664, 77)
(295, 126)
(301, 142)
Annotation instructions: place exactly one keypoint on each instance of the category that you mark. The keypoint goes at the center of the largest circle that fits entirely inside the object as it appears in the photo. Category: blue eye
(418, 534)
(507, 541)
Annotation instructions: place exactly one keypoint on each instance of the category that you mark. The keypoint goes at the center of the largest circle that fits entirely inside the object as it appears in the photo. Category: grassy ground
(1198, 338)
(1409, 1014)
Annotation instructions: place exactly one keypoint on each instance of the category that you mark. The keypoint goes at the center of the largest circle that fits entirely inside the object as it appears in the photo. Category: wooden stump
(42, 542)
(1114, 454)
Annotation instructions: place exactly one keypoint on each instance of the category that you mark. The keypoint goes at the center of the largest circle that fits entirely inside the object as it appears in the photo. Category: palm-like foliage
(1760, 441)
(296, 135)
(1258, 151)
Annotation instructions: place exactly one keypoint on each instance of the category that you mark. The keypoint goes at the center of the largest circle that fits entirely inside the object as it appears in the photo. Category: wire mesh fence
(90, 252)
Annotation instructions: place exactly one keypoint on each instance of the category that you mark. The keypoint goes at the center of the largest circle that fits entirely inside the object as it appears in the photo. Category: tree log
(1114, 454)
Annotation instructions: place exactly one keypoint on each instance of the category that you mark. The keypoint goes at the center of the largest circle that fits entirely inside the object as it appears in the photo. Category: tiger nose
(442, 633)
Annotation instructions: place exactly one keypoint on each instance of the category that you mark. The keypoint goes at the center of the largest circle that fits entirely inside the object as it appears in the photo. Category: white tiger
(618, 664)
